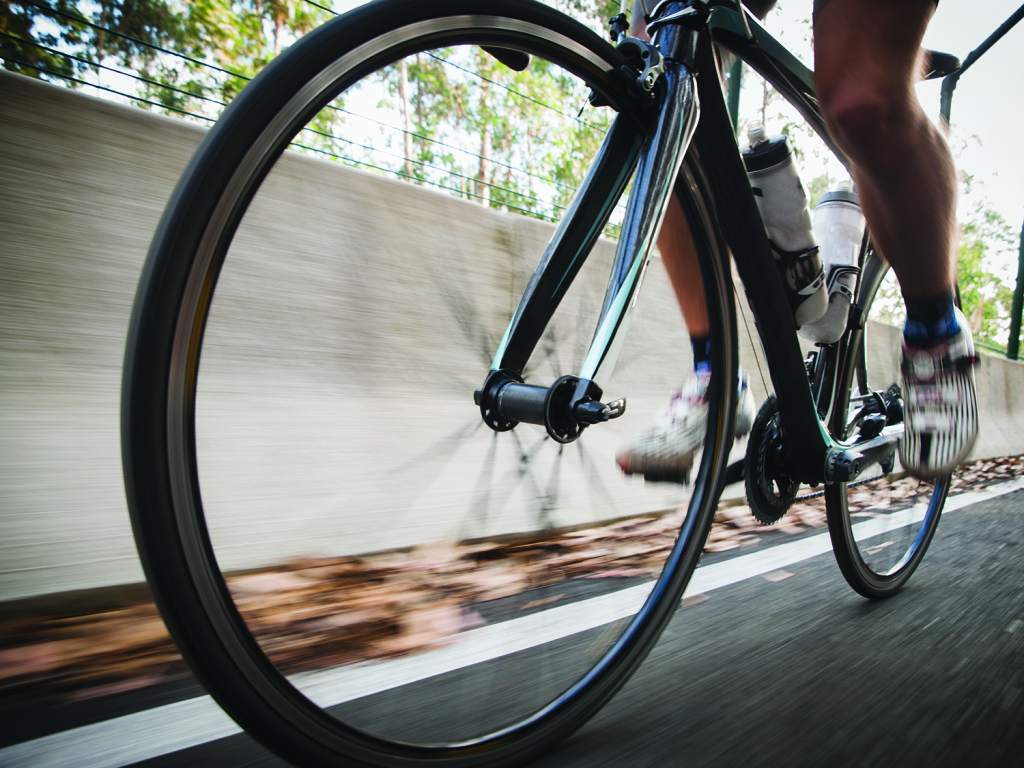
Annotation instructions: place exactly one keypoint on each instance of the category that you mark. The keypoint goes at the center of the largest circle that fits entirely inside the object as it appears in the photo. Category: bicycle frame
(655, 139)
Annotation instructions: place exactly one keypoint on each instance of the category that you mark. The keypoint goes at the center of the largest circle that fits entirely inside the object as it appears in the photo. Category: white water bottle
(783, 204)
(839, 226)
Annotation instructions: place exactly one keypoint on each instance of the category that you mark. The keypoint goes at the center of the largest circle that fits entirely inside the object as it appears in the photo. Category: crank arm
(845, 464)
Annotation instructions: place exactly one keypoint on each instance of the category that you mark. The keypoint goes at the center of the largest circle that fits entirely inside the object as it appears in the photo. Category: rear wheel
(880, 525)
(356, 567)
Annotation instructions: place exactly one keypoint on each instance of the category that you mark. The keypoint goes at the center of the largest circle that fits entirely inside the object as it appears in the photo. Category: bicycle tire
(882, 526)
(173, 503)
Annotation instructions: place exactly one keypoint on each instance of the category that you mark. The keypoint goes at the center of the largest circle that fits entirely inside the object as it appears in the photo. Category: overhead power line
(428, 173)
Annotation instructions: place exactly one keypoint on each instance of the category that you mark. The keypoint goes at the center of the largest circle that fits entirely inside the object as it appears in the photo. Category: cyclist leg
(674, 241)
(866, 64)
(667, 450)
(867, 59)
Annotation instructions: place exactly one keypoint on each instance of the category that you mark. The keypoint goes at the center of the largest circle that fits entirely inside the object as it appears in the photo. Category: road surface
(785, 666)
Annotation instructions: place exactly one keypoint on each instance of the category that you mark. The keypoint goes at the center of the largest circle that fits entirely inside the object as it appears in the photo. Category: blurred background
(101, 106)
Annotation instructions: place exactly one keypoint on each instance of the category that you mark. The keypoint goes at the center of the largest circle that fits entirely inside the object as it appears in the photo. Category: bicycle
(557, 643)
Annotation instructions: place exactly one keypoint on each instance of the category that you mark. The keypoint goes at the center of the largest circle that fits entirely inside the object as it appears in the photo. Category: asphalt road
(786, 668)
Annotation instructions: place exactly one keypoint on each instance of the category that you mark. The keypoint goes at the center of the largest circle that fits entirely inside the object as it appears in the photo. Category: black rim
(875, 567)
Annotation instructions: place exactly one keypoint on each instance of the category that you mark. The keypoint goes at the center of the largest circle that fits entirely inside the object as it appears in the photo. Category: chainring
(769, 492)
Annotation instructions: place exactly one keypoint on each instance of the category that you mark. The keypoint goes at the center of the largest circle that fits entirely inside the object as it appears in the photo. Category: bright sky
(987, 111)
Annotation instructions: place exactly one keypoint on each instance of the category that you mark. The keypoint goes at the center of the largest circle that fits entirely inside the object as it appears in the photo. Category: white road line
(172, 727)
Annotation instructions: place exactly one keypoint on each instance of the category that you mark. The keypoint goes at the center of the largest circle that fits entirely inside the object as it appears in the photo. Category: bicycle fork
(572, 403)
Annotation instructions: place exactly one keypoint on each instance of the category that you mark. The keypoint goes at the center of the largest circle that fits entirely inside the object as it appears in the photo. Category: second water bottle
(839, 226)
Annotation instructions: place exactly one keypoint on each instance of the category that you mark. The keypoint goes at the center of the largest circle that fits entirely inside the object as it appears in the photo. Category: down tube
(660, 160)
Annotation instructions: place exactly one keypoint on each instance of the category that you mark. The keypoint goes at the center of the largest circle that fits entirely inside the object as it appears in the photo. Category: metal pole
(946, 95)
(945, 106)
(1013, 345)
(949, 83)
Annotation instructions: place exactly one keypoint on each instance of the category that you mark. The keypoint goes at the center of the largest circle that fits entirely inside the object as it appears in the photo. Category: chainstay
(819, 494)
(854, 484)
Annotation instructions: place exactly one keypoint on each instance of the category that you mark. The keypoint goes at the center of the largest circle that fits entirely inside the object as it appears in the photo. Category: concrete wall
(310, 375)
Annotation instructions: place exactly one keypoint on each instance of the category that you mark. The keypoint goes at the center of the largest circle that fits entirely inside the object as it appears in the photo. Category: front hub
(505, 401)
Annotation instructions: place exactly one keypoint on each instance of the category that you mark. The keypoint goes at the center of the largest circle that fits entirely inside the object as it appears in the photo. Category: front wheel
(359, 570)
(880, 525)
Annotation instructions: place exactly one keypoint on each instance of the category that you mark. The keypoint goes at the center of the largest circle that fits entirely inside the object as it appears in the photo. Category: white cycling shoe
(940, 404)
(666, 452)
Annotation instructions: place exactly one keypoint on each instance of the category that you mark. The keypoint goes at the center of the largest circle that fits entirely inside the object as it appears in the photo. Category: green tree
(36, 34)
(593, 13)
(29, 50)
(219, 43)
(986, 297)
(502, 138)
(237, 38)
(458, 119)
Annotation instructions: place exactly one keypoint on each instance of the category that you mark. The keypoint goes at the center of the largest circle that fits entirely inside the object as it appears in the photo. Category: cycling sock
(701, 353)
(930, 320)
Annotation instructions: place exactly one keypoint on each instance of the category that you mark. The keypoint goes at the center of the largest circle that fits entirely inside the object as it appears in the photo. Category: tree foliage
(503, 138)
(37, 34)
(457, 118)
(986, 297)
(169, 44)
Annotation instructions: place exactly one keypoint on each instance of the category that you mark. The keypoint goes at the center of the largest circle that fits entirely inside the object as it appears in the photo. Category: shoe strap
(943, 361)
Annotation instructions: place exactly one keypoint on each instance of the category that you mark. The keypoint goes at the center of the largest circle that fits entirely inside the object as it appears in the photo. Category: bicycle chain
(854, 484)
